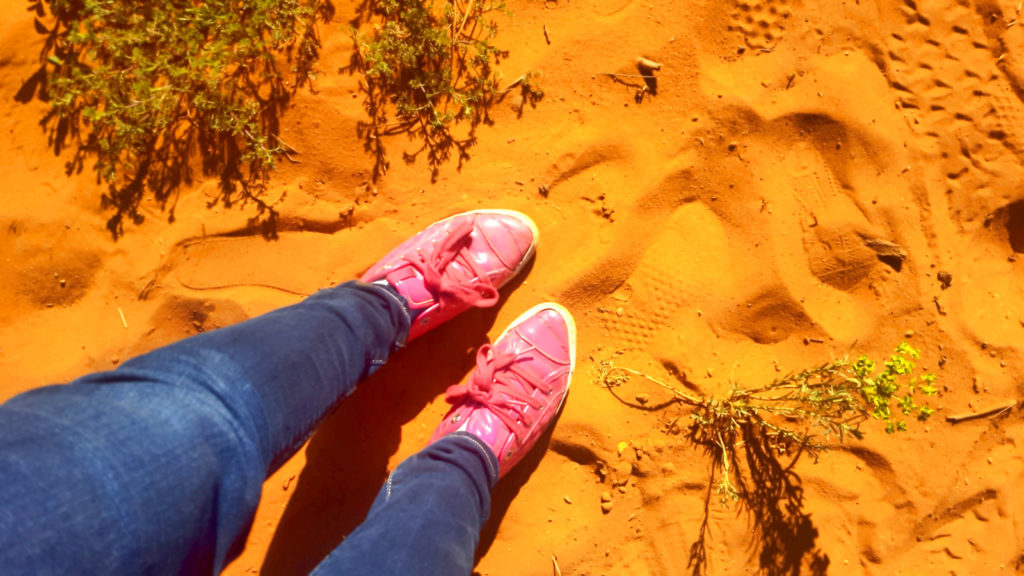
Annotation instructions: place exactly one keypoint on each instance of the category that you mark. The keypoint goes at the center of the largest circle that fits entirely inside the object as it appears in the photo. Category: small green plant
(148, 86)
(749, 432)
(429, 68)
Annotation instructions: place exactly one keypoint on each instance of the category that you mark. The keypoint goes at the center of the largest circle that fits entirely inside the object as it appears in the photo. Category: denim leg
(427, 517)
(157, 467)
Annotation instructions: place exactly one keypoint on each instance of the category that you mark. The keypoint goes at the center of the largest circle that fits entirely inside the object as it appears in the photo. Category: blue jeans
(157, 467)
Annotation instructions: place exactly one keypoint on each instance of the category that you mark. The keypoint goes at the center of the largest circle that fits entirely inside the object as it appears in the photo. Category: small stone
(908, 334)
(621, 447)
(115, 360)
(63, 282)
(945, 279)
(567, 499)
(618, 312)
(643, 398)
(668, 468)
(606, 496)
(624, 470)
(621, 473)
(606, 507)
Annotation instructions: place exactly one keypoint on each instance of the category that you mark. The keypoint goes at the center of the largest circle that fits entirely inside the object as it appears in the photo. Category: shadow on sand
(771, 494)
(160, 161)
(347, 458)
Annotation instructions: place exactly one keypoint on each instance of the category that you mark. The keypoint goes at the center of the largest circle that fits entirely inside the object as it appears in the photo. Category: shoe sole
(570, 324)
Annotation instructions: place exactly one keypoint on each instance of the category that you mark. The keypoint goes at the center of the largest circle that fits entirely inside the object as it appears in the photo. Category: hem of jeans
(403, 336)
(492, 461)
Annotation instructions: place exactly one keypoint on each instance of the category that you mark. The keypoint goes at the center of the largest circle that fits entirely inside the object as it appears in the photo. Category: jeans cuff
(393, 296)
(487, 454)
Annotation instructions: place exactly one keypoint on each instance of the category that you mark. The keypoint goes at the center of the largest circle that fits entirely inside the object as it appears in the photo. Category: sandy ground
(721, 227)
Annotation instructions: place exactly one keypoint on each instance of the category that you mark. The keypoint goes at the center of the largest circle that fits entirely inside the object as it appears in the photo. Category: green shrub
(147, 86)
(753, 437)
(431, 68)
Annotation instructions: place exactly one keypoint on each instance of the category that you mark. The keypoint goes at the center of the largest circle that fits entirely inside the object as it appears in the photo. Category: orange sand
(721, 228)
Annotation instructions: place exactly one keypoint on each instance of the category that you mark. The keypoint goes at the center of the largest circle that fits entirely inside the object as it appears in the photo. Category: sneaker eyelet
(509, 453)
(456, 418)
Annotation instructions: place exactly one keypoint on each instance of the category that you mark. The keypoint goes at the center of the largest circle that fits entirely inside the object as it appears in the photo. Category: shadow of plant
(753, 438)
(150, 90)
(770, 492)
(428, 74)
(766, 488)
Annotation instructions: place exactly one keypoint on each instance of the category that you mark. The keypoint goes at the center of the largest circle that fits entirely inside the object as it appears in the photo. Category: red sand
(721, 228)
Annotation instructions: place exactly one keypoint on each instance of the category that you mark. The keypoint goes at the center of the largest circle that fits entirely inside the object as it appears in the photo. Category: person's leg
(156, 467)
(427, 517)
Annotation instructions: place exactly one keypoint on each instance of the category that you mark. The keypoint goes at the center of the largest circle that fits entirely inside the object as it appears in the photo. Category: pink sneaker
(518, 386)
(457, 263)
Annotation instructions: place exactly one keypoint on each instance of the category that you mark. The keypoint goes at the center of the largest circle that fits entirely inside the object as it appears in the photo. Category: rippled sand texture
(805, 180)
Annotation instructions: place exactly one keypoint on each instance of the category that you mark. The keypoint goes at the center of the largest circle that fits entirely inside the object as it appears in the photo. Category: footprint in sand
(762, 22)
(680, 266)
(955, 75)
(833, 225)
(679, 284)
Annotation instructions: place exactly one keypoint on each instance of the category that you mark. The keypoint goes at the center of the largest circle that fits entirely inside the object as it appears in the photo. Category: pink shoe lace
(451, 292)
(497, 385)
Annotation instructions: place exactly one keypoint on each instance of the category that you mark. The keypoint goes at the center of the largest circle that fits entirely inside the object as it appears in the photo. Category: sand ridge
(808, 180)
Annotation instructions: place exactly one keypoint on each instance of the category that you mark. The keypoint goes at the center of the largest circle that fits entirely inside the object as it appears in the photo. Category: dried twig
(995, 411)
(288, 150)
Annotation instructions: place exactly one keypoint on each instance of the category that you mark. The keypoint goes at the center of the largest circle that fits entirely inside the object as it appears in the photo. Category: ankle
(409, 312)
